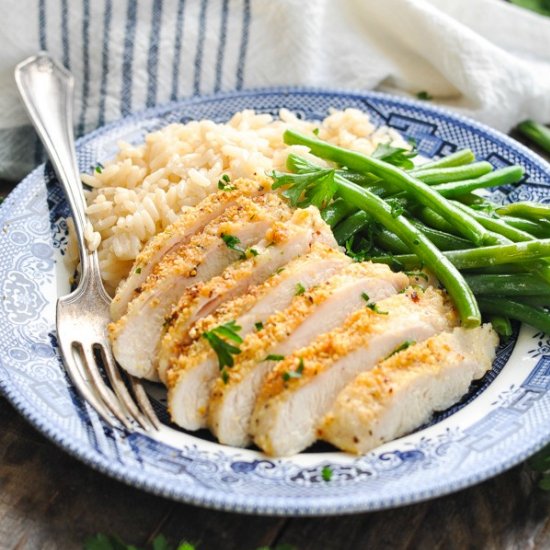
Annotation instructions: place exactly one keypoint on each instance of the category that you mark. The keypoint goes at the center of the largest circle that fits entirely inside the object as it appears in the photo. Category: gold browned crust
(352, 335)
(365, 400)
(177, 232)
(185, 261)
(187, 258)
(281, 324)
(371, 391)
(197, 351)
(279, 233)
(211, 203)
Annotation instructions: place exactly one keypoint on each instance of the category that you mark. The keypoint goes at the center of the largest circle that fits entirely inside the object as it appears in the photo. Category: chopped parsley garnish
(317, 187)
(416, 274)
(259, 325)
(251, 252)
(99, 168)
(316, 131)
(402, 347)
(326, 473)
(374, 307)
(223, 348)
(224, 184)
(280, 270)
(398, 156)
(287, 375)
(225, 375)
(300, 289)
(360, 256)
(137, 271)
(233, 243)
(424, 95)
(397, 207)
(274, 357)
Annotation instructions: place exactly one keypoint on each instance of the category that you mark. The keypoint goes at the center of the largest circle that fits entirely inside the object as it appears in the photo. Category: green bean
(529, 210)
(347, 228)
(336, 211)
(535, 301)
(501, 269)
(496, 225)
(445, 272)
(511, 233)
(459, 158)
(441, 239)
(539, 229)
(433, 176)
(536, 132)
(473, 199)
(524, 284)
(390, 241)
(504, 176)
(501, 325)
(433, 219)
(382, 212)
(484, 256)
(515, 310)
(465, 225)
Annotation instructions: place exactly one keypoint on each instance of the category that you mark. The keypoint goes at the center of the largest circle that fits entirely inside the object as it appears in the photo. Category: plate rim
(211, 498)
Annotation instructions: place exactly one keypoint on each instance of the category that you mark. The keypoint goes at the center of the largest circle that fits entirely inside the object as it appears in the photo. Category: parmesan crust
(190, 222)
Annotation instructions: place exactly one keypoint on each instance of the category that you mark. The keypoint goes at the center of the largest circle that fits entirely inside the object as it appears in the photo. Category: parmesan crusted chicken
(283, 242)
(402, 392)
(310, 314)
(191, 221)
(192, 371)
(302, 388)
(135, 336)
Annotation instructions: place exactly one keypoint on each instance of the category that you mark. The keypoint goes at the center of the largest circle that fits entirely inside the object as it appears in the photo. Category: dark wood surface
(49, 500)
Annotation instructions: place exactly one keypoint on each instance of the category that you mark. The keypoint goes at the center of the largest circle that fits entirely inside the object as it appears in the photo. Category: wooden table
(50, 500)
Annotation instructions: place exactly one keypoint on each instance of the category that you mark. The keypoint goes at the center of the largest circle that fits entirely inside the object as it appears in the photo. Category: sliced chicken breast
(135, 336)
(192, 372)
(283, 242)
(310, 314)
(302, 388)
(191, 221)
(402, 392)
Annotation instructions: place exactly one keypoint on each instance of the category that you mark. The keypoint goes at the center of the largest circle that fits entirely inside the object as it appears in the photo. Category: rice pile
(146, 187)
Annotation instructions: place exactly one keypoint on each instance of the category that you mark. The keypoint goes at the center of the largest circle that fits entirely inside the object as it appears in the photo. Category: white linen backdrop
(485, 58)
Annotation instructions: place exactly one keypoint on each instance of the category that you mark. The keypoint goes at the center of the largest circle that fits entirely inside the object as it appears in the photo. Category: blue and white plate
(504, 419)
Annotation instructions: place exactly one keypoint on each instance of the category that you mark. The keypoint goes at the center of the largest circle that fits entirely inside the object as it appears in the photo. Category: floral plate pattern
(503, 420)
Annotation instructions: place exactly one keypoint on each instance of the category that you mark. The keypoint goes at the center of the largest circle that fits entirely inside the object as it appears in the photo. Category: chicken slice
(192, 372)
(135, 336)
(303, 387)
(282, 242)
(190, 222)
(320, 310)
(402, 392)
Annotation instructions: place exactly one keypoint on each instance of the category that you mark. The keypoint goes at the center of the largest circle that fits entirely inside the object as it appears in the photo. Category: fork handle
(47, 92)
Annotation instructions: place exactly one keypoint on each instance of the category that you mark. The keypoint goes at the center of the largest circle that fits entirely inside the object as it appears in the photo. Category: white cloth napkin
(485, 58)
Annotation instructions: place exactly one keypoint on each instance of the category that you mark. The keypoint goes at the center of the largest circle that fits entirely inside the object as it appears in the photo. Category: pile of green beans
(492, 259)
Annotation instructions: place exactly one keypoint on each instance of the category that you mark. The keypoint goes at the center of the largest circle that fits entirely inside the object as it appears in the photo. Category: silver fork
(82, 316)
